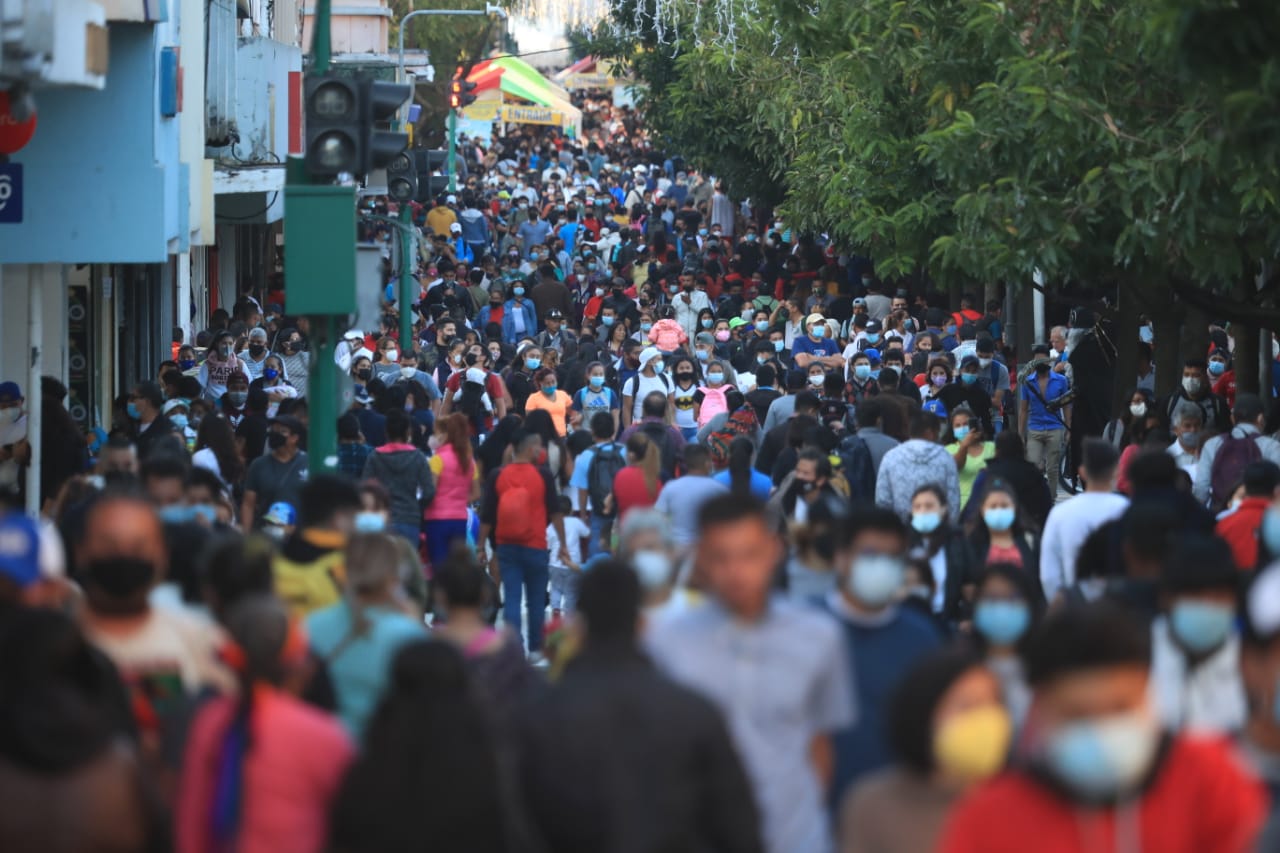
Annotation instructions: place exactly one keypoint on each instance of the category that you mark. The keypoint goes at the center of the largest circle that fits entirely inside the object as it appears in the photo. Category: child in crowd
(565, 576)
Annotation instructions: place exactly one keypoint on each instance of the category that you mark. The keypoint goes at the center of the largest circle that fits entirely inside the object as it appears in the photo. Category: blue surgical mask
(968, 378)
(1200, 626)
(1103, 757)
(1002, 622)
(180, 421)
(819, 331)
(707, 324)
(951, 329)
(779, 345)
(861, 371)
(926, 522)
(596, 382)
(873, 338)
(370, 522)
(204, 512)
(999, 518)
(762, 325)
(1217, 368)
(187, 363)
(518, 291)
(549, 390)
(875, 373)
(703, 355)
(608, 321)
(533, 363)
(644, 327)
(960, 432)
(175, 514)
(874, 579)
(132, 410)
(270, 373)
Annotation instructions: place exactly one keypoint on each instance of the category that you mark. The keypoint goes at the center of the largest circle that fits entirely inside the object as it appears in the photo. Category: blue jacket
(474, 227)
(509, 333)
(462, 251)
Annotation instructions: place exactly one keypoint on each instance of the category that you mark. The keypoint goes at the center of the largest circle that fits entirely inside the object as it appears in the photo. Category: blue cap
(873, 355)
(19, 549)
(10, 392)
(281, 513)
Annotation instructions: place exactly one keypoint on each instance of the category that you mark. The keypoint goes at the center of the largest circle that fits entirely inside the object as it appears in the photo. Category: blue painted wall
(102, 177)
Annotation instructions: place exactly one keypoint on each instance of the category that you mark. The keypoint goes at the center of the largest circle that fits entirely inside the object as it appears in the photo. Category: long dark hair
(215, 433)
(429, 766)
(740, 452)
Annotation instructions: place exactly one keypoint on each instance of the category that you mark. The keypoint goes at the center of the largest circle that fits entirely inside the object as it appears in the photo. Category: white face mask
(817, 380)
(434, 442)
(1137, 409)
(407, 372)
(1191, 384)
(391, 356)
(653, 568)
(9, 415)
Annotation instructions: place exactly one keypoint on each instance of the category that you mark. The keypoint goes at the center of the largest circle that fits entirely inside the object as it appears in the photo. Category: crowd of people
(671, 529)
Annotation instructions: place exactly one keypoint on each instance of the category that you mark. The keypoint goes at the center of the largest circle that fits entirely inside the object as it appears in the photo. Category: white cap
(649, 354)
(451, 199)
(353, 333)
(475, 374)
(455, 228)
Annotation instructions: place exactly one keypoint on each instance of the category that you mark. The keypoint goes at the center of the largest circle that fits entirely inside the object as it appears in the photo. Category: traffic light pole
(406, 277)
(453, 144)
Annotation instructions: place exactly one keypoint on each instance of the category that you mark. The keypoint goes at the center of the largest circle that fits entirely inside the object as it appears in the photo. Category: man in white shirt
(688, 303)
(1071, 522)
(1188, 421)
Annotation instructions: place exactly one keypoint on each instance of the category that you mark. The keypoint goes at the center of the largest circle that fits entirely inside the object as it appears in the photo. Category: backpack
(1228, 467)
(743, 422)
(635, 384)
(606, 462)
(858, 469)
(657, 433)
(515, 520)
(713, 403)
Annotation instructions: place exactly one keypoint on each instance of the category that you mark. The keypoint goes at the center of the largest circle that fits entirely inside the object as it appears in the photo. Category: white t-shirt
(1068, 525)
(643, 388)
(575, 531)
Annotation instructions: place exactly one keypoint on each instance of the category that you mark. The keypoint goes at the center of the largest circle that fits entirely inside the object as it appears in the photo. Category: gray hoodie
(911, 465)
(406, 474)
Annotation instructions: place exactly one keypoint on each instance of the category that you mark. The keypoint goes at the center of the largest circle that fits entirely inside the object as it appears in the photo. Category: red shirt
(536, 482)
(1225, 387)
(1240, 530)
(492, 385)
(1202, 800)
(631, 492)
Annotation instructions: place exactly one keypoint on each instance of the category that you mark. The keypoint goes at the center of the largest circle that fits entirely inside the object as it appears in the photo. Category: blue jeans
(441, 535)
(690, 433)
(524, 570)
(408, 531)
(598, 523)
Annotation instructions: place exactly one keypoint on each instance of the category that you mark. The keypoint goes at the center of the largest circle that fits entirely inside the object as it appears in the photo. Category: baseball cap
(873, 326)
(969, 360)
(281, 513)
(813, 318)
(873, 355)
(859, 301)
(10, 392)
(504, 195)
(451, 199)
(455, 228)
(175, 403)
(19, 549)
(354, 334)
(737, 322)
(555, 314)
(705, 338)
(1040, 349)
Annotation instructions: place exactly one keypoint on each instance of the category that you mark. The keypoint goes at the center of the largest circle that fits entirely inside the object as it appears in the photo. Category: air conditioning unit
(53, 43)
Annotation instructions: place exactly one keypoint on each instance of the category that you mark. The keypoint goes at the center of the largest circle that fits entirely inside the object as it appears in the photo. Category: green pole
(320, 43)
(453, 142)
(406, 277)
(322, 397)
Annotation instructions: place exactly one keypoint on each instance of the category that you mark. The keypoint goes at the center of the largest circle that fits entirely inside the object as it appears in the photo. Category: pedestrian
(883, 640)
(639, 484)
(999, 534)
(666, 773)
(1070, 522)
(1005, 613)
(1222, 460)
(952, 561)
(357, 638)
(262, 767)
(144, 407)
(1195, 650)
(406, 474)
(915, 463)
(278, 476)
(309, 569)
(519, 502)
(968, 445)
(1099, 769)
(682, 498)
(566, 574)
(948, 732)
(457, 480)
(1242, 526)
(1260, 669)
(1042, 422)
(746, 638)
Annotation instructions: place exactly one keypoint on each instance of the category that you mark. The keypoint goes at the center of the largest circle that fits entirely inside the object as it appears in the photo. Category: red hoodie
(1240, 530)
(1202, 801)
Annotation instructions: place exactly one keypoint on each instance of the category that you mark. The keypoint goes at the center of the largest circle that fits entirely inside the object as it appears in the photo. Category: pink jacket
(453, 487)
(667, 335)
(291, 773)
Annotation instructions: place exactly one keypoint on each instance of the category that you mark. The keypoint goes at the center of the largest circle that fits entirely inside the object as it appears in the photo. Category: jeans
(524, 570)
(441, 536)
(564, 588)
(690, 433)
(408, 531)
(598, 525)
(1044, 450)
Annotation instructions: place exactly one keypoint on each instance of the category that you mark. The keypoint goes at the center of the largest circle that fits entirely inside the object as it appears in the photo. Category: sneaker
(538, 660)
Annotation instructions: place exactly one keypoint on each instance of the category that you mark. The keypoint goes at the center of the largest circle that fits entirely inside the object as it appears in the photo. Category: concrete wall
(362, 33)
(17, 282)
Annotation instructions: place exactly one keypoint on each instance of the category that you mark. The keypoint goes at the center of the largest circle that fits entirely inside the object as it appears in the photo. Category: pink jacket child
(260, 769)
(668, 336)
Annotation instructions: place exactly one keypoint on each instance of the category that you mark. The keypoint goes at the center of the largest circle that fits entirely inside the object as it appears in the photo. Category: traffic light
(333, 113)
(427, 163)
(460, 92)
(402, 177)
(381, 100)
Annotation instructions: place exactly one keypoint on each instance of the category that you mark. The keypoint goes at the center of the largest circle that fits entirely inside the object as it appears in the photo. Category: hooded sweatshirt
(911, 465)
(406, 474)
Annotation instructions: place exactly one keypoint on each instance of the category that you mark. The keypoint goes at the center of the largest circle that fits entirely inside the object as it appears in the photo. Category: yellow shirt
(439, 218)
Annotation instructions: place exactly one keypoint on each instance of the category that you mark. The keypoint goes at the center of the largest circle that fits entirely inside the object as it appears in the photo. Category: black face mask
(120, 577)
(276, 440)
(364, 373)
(685, 377)
(257, 349)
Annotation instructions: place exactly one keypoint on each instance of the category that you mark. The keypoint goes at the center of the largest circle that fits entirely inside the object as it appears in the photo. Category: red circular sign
(14, 134)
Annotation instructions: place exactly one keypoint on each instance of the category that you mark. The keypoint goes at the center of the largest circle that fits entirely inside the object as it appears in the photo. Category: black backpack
(606, 462)
(657, 433)
(858, 467)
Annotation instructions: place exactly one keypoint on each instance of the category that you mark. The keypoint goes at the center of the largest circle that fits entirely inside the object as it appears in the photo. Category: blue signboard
(10, 192)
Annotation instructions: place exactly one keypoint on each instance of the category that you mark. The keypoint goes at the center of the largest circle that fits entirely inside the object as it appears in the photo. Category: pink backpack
(713, 403)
